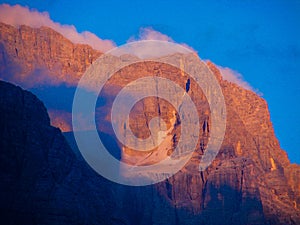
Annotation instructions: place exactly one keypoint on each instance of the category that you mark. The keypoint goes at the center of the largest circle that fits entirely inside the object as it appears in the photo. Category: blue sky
(259, 39)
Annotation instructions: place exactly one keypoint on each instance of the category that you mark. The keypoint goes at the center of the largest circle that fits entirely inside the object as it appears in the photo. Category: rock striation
(41, 56)
(44, 181)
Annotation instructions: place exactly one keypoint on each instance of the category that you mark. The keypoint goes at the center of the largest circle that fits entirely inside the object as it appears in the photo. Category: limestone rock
(43, 182)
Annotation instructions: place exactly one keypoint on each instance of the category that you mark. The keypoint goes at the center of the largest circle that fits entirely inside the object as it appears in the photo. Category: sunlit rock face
(141, 115)
(250, 171)
(43, 182)
(35, 56)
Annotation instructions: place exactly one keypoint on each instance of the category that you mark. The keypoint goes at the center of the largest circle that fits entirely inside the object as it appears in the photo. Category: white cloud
(18, 15)
(147, 33)
(235, 77)
(151, 49)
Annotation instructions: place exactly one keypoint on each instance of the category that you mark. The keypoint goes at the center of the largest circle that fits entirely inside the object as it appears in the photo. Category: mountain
(250, 182)
(26, 52)
(35, 58)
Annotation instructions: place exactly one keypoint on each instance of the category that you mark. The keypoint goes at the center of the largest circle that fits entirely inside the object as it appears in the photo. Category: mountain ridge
(251, 177)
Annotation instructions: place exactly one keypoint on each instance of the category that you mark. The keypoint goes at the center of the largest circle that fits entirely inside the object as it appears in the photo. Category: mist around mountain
(44, 179)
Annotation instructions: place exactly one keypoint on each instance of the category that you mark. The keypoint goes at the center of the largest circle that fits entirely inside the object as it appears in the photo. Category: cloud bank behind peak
(18, 15)
(237, 78)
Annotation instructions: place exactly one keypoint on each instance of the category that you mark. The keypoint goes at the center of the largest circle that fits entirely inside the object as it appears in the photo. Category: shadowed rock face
(43, 182)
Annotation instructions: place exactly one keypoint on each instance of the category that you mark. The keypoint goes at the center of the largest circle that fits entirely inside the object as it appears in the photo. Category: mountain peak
(251, 181)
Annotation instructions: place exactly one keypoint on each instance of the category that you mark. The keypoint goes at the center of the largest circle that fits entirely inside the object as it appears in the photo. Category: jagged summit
(250, 182)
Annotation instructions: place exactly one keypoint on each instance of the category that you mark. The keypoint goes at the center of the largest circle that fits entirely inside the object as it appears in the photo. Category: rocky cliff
(250, 182)
(44, 182)
(251, 173)
(41, 56)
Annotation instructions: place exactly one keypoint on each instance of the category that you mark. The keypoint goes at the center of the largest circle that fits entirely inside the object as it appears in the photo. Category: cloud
(18, 15)
(148, 33)
(37, 77)
(61, 119)
(235, 77)
(153, 45)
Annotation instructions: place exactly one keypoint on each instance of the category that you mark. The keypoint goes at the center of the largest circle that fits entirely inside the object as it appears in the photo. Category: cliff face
(31, 56)
(250, 182)
(35, 158)
(44, 182)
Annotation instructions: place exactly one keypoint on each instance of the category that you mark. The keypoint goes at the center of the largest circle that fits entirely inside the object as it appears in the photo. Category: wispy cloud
(18, 15)
(61, 119)
(235, 77)
(148, 33)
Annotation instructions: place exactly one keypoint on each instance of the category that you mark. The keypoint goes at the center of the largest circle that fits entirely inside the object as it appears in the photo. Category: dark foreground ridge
(44, 182)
